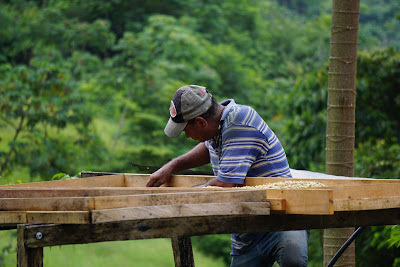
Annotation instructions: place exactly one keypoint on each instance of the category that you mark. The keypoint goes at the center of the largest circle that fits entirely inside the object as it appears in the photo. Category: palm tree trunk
(340, 127)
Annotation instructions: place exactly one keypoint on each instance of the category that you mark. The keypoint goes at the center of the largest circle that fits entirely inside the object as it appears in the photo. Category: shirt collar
(229, 103)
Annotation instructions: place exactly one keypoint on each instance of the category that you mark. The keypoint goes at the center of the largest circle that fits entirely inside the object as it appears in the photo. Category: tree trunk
(340, 127)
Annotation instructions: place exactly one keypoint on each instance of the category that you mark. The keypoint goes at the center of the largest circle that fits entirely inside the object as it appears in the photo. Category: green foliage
(394, 236)
(216, 246)
(378, 158)
(8, 248)
(378, 94)
(372, 247)
(304, 129)
(37, 98)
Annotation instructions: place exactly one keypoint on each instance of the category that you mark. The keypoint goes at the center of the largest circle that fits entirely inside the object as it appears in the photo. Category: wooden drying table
(119, 207)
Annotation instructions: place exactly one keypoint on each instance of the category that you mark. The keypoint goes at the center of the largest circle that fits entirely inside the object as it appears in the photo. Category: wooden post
(183, 253)
(27, 257)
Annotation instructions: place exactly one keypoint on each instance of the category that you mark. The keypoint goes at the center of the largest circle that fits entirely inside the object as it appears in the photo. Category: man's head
(189, 102)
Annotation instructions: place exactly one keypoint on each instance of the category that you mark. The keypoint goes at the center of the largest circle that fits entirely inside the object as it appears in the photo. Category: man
(238, 143)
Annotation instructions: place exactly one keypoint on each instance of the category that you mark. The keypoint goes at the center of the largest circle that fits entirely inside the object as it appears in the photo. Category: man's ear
(201, 122)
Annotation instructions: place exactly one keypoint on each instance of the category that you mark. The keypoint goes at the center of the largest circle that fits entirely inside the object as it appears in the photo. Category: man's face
(196, 132)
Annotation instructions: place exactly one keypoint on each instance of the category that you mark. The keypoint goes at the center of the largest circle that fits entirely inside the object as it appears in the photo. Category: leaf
(59, 176)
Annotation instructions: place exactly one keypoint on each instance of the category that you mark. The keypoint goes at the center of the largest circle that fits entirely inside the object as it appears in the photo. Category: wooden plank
(47, 204)
(304, 201)
(178, 211)
(86, 174)
(140, 180)
(366, 203)
(235, 195)
(375, 190)
(117, 180)
(183, 253)
(293, 201)
(65, 217)
(367, 197)
(12, 217)
(62, 234)
(96, 191)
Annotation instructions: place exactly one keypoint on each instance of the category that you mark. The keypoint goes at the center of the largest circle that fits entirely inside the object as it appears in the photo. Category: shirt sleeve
(241, 145)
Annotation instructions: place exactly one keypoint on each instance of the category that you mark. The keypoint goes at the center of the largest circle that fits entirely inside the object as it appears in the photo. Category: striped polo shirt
(245, 146)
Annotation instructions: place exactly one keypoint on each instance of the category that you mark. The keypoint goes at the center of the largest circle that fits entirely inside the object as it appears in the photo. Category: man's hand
(159, 177)
(196, 157)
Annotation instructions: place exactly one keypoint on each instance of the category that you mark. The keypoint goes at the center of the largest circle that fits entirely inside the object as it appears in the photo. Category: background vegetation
(86, 85)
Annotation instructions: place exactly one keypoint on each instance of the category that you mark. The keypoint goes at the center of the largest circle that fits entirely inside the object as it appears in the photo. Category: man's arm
(196, 157)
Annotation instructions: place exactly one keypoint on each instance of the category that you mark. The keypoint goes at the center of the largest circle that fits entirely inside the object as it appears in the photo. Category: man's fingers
(150, 183)
(154, 183)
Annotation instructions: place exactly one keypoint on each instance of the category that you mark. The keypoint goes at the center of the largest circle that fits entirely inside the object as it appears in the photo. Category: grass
(138, 253)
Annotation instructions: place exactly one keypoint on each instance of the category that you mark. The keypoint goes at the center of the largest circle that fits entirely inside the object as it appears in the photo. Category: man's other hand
(159, 177)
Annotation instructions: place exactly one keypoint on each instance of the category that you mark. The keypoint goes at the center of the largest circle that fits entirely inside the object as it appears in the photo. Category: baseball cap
(188, 102)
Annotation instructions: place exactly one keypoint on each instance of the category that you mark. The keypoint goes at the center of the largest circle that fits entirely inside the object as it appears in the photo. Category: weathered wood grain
(140, 180)
(371, 190)
(12, 217)
(117, 180)
(64, 217)
(27, 257)
(180, 211)
(366, 203)
(182, 249)
(47, 204)
(95, 191)
(61, 234)
(277, 205)
(200, 196)
(304, 201)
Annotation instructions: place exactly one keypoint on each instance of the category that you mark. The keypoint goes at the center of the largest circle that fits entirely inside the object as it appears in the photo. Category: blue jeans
(288, 248)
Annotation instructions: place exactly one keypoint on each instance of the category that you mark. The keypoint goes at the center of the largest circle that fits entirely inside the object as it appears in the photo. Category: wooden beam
(20, 192)
(201, 196)
(371, 190)
(140, 180)
(12, 217)
(366, 203)
(117, 180)
(47, 204)
(62, 234)
(180, 211)
(64, 217)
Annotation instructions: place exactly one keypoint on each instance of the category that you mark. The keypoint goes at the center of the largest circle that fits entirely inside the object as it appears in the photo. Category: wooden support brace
(62, 234)
(183, 253)
(27, 257)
